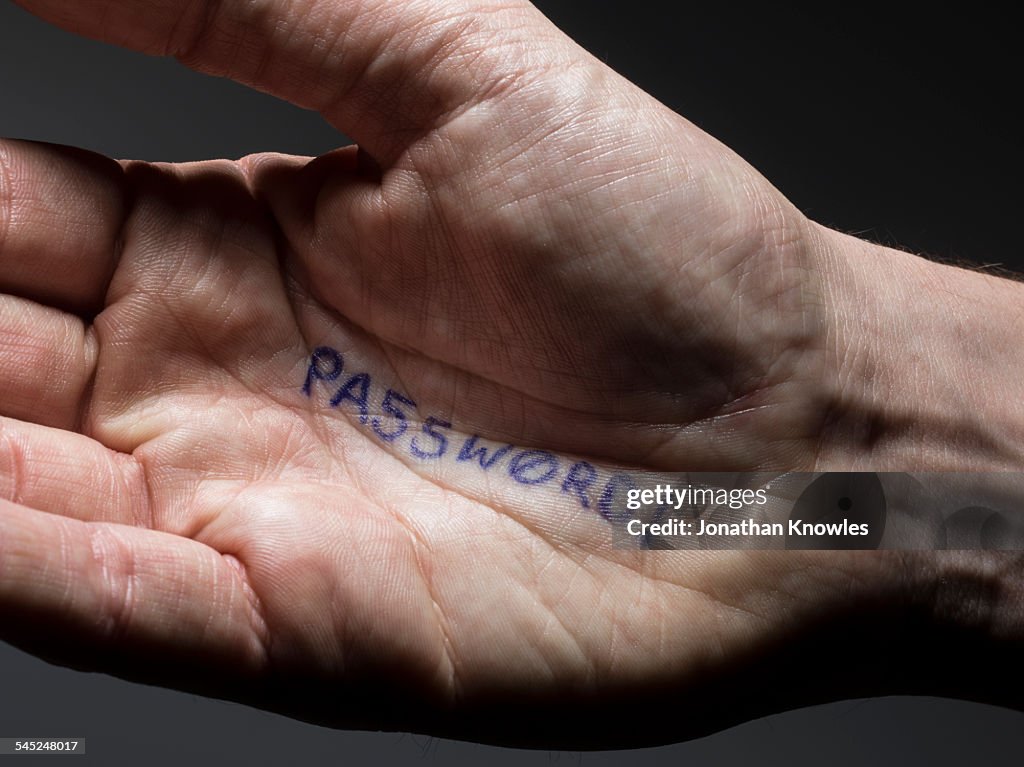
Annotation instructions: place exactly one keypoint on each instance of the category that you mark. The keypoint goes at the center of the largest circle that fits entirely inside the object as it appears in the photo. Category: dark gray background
(902, 132)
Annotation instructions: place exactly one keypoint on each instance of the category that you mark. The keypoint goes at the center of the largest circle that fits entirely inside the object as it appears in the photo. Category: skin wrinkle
(159, 519)
(581, 654)
(6, 196)
(205, 633)
(500, 438)
(649, 575)
(117, 574)
(133, 477)
(552, 607)
(285, 32)
(15, 459)
(584, 557)
(343, 618)
(498, 81)
(417, 544)
(195, 24)
(348, 418)
(313, 417)
(499, 508)
(195, 9)
(521, 394)
(65, 547)
(386, 353)
(23, 452)
(92, 307)
(288, 278)
(358, 90)
(342, 92)
(49, 346)
(561, 408)
(84, 423)
(260, 627)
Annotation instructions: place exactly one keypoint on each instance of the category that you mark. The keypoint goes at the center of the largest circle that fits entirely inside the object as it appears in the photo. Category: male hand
(330, 436)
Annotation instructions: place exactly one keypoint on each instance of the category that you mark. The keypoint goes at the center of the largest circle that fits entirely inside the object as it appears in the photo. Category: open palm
(331, 436)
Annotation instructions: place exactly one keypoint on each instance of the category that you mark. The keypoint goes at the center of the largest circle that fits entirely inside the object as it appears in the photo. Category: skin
(536, 252)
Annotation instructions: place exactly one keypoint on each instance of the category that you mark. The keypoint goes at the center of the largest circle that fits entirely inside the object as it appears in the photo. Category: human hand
(538, 254)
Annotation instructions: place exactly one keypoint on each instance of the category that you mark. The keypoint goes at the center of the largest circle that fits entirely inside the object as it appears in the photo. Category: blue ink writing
(532, 467)
(398, 412)
(581, 476)
(430, 427)
(614, 482)
(392, 409)
(470, 451)
(357, 390)
(316, 371)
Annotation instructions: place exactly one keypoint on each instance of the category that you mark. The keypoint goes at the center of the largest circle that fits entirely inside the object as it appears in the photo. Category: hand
(214, 470)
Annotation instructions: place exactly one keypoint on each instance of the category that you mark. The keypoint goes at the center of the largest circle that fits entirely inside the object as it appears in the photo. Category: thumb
(384, 72)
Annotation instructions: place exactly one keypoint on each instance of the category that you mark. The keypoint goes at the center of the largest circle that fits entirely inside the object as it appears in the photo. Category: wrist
(923, 371)
(922, 366)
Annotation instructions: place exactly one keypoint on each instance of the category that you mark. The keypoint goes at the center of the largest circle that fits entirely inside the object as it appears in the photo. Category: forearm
(924, 368)
(924, 372)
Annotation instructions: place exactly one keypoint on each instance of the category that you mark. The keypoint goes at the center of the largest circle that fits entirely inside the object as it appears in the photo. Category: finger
(69, 474)
(80, 591)
(382, 71)
(60, 212)
(46, 361)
